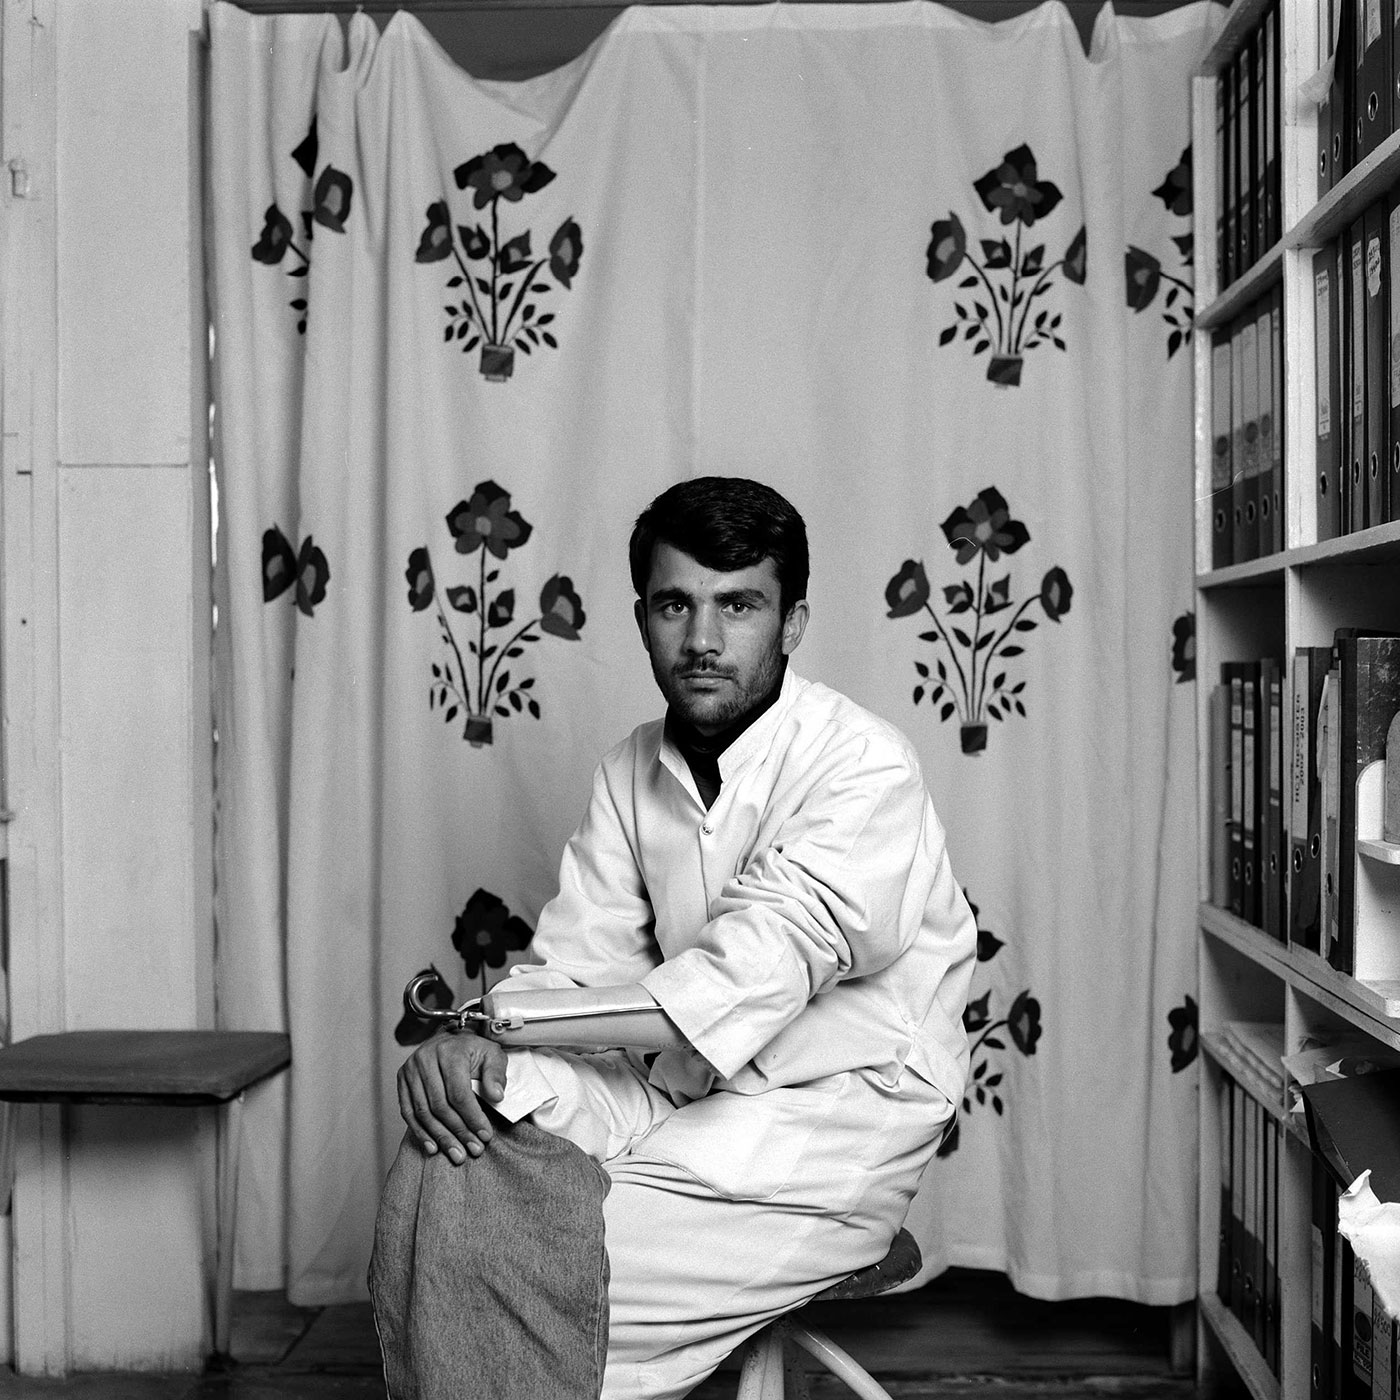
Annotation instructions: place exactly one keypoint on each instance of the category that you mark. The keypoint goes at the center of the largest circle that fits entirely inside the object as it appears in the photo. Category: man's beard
(719, 709)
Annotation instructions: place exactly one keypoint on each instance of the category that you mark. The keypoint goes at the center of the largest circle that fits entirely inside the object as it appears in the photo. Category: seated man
(764, 864)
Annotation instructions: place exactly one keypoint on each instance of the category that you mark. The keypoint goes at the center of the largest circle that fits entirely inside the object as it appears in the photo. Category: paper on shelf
(1373, 1227)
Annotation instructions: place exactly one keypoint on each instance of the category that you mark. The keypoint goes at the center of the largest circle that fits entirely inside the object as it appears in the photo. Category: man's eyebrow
(755, 597)
(668, 595)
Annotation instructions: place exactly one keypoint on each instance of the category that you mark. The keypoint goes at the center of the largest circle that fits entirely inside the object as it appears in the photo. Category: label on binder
(1324, 347)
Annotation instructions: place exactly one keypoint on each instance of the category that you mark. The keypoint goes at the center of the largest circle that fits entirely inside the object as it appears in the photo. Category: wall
(105, 660)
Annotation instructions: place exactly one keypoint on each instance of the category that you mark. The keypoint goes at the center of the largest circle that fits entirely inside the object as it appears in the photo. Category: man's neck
(701, 751)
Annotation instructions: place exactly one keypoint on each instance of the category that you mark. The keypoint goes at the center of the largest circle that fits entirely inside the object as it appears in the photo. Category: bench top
(150, 1067)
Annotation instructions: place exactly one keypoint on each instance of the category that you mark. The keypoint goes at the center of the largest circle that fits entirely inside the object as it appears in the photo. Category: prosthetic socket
(587, 1018)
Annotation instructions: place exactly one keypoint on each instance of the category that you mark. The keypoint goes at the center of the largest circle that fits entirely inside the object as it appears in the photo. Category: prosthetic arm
(590, 1018)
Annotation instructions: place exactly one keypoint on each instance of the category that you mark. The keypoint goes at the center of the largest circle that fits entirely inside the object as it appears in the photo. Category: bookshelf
(1265, 607)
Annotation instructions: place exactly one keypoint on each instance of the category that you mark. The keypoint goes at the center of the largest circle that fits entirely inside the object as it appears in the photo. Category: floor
(966, 1336)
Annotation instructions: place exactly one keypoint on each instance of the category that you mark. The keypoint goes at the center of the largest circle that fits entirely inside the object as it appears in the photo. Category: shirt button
(706, 828)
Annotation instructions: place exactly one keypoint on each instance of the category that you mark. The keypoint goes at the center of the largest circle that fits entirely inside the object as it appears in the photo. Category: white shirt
(807, 924)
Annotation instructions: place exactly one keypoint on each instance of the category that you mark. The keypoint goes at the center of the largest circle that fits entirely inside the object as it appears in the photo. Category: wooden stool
(762, 1375)
(174, 1068)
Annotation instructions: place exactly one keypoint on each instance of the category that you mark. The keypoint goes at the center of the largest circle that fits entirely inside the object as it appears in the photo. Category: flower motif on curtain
(485, 932)
(1015, 279)
(331, 197)
(1184, 1040)
(1146, 276)
(305, 571)
(479, 685)
(501, 277)
(1184, 648)
(1021, 1024)
(980, 639)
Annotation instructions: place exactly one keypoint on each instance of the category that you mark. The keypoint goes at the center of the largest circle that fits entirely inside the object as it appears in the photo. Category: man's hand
(436, 1096)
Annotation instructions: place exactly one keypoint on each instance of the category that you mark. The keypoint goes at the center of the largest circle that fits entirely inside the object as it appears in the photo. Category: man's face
(716, 640)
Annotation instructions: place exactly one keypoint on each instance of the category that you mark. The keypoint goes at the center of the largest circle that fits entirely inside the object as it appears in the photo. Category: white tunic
(807, 924)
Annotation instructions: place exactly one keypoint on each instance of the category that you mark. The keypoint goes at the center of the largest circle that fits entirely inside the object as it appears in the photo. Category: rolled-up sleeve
(838, 893)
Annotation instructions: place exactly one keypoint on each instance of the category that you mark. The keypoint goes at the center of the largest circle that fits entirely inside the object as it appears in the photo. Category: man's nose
(704, 637)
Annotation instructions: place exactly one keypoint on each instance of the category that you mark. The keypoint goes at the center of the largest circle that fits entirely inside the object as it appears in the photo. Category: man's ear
(794, 625)
(640, 613)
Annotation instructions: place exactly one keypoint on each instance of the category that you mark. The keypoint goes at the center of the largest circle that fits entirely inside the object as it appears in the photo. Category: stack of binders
(1248, 151)
(1248, 744)
(1358, 39)
(1357, 374)
(1343, 698)
(1247, 1264)
(1353, 1125)
(1247, 434)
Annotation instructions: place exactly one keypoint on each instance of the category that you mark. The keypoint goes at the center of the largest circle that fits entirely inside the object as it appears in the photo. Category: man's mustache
(688, 672)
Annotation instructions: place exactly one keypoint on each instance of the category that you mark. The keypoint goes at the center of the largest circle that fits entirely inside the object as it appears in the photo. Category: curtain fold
(927, 276)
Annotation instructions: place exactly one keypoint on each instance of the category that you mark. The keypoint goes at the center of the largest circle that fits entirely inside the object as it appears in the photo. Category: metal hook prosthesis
(455, 1018)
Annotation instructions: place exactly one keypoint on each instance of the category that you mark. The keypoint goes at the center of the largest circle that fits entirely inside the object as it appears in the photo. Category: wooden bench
(176, 1069)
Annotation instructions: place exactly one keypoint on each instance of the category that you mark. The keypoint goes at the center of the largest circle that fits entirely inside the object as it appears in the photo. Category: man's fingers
(453, 1121)
(409, 1113)
(493, 1072)
(462, 1075)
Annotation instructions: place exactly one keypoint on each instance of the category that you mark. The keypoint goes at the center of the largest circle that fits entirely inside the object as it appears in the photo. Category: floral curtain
(929, 277)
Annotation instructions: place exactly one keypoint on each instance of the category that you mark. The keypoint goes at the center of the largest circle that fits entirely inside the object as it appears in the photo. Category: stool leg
(230, 1134)
(762, 1375)
(842, 1366)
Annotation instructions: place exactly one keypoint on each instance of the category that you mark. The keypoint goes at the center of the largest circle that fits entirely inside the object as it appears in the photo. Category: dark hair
(727, 523)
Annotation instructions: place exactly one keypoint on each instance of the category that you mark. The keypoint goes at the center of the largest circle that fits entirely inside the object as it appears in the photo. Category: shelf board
(1387, 852)
(1217, 1046)
(1255, 573)
(1373, 1007)
(1246, 288)
(1241, 20)
(1378, 545)
(1343, 203)
(1239, 1347)
(1253, 942)
(1378, 1000)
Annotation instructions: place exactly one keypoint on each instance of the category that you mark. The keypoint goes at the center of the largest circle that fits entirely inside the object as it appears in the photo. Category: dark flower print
(420, 579)
(279, 564)
(947, 247)
(976, 1014)
(1184, 647)
(308, 150)
(1143, 273)
(1023, 1021)
(504, 172)
(1183, 1041)
(275, 239)
(1175, 190)
(435, 243)
(331, 199)
(908, 590)
(565, 252)
(487, 519)
(486, 931)
(501, 610)
(313, 573)
(1055, 593)
(1012, 191)
(1076, 262)
(284, 568)
(561, 609)
(413, 1029)
(984, 527)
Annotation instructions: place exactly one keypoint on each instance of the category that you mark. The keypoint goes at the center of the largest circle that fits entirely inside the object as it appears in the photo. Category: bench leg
(230, 1137)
